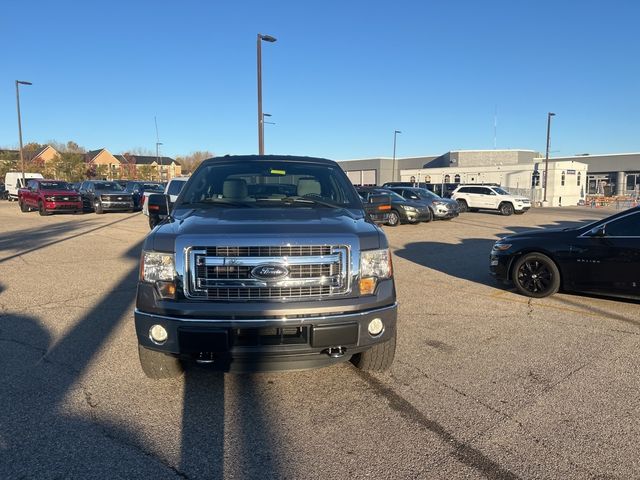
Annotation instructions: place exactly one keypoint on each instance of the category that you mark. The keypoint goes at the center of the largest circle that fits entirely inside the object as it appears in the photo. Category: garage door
(355, 176)
(369, 178)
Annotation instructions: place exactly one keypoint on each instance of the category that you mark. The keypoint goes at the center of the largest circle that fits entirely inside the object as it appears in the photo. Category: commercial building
(611, 174)
(377, 171)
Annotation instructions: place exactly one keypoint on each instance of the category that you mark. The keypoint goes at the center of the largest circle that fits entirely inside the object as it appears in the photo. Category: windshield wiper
(221, 202)
(311, 200)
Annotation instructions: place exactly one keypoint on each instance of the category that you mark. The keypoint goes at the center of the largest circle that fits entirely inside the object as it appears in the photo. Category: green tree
(8, 163)
(146, 172)
(66, 166)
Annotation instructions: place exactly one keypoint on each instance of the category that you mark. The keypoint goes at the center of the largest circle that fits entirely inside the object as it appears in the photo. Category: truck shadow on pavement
(52, 426)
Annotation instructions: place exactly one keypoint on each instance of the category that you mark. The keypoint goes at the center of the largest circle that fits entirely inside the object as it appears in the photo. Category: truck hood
(282, 224)
(60, 193)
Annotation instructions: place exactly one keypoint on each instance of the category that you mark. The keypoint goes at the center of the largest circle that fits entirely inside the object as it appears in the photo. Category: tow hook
(335, 352)
(205, 357)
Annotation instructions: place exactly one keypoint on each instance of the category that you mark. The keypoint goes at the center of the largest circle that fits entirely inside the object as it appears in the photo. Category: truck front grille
(229, 273)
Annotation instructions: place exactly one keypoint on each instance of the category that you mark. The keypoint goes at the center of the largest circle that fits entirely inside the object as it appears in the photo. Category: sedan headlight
(374, 265)
(501, 247)
(438, 203)
(409, 208)
(157, 267)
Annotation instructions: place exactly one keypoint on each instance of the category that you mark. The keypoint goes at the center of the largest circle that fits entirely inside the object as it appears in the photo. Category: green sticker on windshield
(278, 172)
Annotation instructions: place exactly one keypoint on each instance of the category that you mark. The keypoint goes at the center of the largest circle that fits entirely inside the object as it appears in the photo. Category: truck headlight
(49, 199)
(157, 267)
(374, 265)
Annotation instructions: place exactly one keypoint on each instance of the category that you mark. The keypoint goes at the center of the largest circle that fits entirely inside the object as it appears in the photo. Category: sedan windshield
(270, 183)
(55, 186)
(427, 194)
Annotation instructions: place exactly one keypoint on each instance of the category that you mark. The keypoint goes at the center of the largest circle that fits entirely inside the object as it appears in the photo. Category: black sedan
(402, 210)
(602, 258)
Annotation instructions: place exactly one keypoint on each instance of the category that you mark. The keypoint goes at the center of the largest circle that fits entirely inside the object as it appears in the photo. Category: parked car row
(99, 196)
(412, 205)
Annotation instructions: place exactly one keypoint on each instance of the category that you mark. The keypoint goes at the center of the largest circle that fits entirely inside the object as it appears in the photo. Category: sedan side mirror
(598, 231)
(158, 204)
(378, 207)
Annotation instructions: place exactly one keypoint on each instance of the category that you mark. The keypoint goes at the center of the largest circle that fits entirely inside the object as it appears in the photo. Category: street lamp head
(551, 114)
(22, 82)
(267, 38)
(266, 114)
(397, 131)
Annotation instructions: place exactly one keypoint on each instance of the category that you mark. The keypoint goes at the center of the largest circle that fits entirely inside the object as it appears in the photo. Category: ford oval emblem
(269, 272)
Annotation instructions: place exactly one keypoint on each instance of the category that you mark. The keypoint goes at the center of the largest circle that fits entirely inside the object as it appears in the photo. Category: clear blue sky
(341, 77)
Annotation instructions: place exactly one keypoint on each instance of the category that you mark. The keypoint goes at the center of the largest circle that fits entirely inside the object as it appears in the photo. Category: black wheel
(463, 206)
(41, 210)
(393, 220)
(24, 208)
(506, 209)
(429, 216)
(519, 212)
(158, 365)
(378, 358)
(97, 206)
(536, 275)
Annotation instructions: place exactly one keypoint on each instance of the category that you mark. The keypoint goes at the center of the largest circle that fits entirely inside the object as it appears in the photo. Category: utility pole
(18, 83)
(395, 134)
(270, 39)
(546, 157)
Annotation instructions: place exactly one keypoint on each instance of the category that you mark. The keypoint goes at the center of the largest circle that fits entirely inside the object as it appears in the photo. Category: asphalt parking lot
(486, 383)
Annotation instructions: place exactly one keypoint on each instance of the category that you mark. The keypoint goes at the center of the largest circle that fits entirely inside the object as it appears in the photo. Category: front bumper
(63, 206)
(255, 344)
(500, 266)
(117, 206)
(445, 212)
(417, 215)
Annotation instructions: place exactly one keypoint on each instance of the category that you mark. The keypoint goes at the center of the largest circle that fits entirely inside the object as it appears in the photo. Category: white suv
(475, 197)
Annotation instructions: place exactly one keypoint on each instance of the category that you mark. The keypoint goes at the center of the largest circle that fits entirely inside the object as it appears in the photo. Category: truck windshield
(55, 186)
(271, 183)
(108, 186)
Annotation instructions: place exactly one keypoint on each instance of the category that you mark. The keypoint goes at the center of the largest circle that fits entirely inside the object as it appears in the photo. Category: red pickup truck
(49, 196)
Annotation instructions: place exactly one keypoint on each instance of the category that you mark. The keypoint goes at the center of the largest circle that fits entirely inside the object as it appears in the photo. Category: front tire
(378, 358)
(506, 209)
(463, 206)
(97, 206)
(24, 208)
(536, 275)
(41, 210)
(430, 217)
(394, 218)
(158, 365)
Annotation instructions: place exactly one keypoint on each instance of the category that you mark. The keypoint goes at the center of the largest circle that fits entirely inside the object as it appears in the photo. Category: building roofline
(595, 155)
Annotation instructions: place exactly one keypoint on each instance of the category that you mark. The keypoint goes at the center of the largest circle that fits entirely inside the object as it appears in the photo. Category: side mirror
(598, 231)
(378, 207)
(158, 204)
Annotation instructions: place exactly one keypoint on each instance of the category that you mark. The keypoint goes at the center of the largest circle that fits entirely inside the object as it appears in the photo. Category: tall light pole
(18, 83)
(546, 157)
(158, 157)
(261, 38)
(395, 134)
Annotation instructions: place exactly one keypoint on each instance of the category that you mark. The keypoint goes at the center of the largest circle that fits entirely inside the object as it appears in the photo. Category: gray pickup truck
(265, 263)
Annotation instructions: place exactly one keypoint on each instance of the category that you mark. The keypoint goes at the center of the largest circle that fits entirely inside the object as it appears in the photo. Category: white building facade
(520, 172)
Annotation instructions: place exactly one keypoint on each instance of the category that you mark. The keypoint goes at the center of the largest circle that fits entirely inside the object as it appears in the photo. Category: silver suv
(484, 197)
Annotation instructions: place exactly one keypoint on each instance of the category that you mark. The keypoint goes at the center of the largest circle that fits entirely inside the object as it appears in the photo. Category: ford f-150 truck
(49, 196)
(265, 263)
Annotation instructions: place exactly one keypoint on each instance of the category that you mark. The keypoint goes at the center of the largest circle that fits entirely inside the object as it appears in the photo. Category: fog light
(158, 334)
(375, 327)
